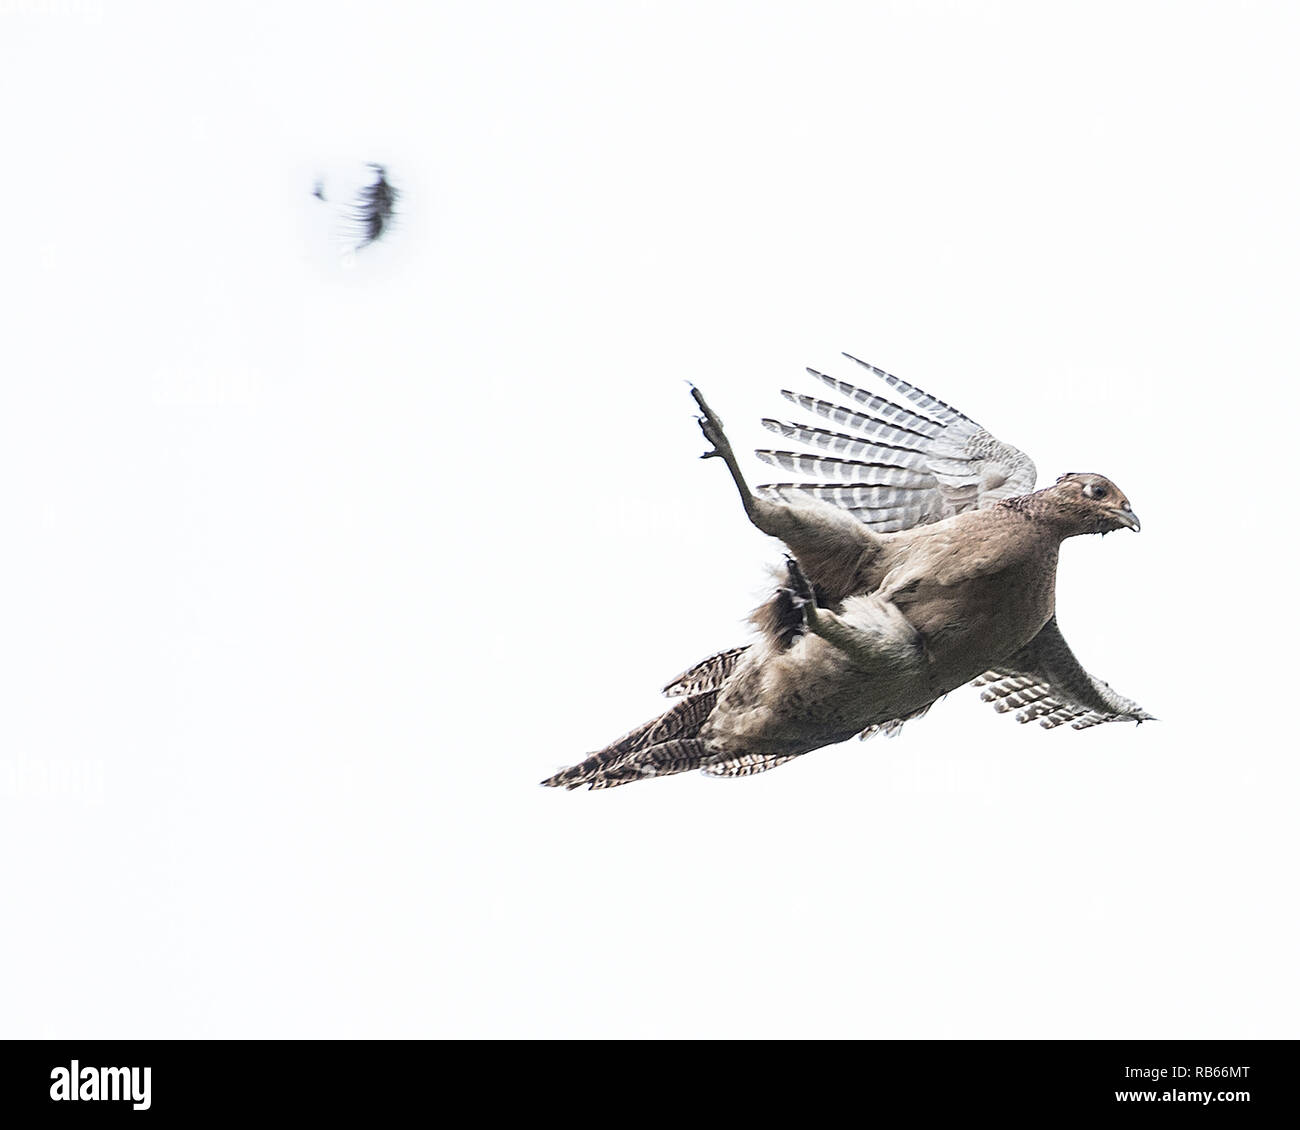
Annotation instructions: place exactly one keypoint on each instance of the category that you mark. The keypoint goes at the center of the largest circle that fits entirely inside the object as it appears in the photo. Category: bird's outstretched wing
(1044, 682)
(893, 466)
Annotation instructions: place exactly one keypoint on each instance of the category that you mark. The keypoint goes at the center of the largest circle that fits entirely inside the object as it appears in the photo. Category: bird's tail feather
(708, 674)
(747, 764)
(679, 724)
(678, 756)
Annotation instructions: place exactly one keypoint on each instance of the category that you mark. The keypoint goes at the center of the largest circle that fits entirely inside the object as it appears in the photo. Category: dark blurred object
(373, 213)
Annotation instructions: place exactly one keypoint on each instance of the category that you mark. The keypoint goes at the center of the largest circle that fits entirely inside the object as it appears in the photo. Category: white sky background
(314, 572)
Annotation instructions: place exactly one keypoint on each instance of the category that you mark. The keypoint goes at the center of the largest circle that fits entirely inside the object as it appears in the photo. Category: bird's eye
(1094, 490)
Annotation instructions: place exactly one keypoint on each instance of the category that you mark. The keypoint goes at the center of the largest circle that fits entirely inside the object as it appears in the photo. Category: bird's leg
(711, 426)
(829, 543)
(820, 621)
(875, 636)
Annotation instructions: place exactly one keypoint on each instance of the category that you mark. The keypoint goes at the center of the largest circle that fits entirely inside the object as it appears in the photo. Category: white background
(315, 566)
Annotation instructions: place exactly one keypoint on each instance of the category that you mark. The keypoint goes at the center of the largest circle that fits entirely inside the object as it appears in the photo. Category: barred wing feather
(895, 466)
(1044, 682)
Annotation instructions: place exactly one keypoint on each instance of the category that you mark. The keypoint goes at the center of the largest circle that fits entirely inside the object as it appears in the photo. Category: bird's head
(1092, 504)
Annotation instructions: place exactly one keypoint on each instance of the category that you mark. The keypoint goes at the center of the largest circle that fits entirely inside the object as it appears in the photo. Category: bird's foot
(711, 426)
(803, 600)
(796, 583)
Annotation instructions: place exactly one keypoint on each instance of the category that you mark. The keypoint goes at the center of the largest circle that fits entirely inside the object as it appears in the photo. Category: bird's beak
(1128, 519)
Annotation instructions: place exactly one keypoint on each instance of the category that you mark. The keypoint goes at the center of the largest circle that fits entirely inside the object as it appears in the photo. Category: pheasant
(926, 562)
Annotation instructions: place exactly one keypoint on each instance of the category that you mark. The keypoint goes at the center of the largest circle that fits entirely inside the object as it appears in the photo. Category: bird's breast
(970, 627)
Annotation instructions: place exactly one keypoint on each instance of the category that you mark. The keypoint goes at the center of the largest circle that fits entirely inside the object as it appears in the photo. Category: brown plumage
(925, 566)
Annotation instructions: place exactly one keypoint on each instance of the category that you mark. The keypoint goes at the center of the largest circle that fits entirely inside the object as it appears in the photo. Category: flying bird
(373, 212)
(363, 202)
(921, 559)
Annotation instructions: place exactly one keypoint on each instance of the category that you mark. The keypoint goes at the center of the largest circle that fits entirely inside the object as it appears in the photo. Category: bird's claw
(711, 426)
(797, 585)
(803, 600)
(712, 453)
